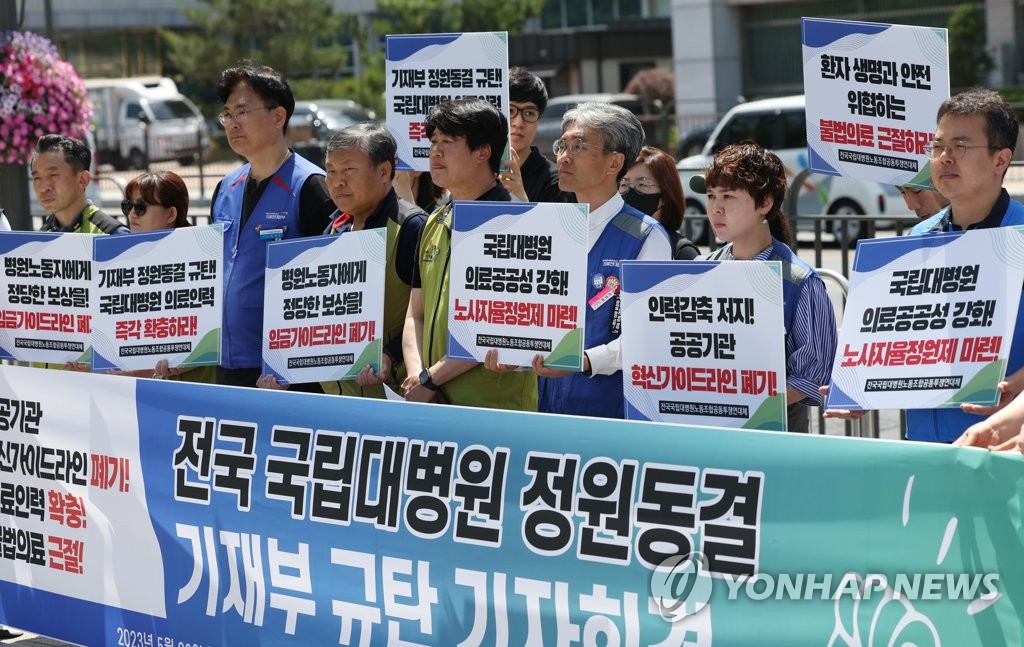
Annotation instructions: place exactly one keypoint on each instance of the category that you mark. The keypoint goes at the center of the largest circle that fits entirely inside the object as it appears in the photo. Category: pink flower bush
(39, 94)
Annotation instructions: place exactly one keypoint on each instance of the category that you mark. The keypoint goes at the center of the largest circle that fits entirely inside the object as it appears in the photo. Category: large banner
(323, 313)
(703, 343)
(518, 282)
(138, 512)
(45, 297)
(929, 320)
(872, 92)
(158, 295)
(425, 69)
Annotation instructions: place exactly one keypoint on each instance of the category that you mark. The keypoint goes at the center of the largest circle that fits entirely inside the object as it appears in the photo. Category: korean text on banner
(46, 293)
(703, 343)
(518, 282)
(424, 70)
(323, 314)
(158, 296)
(872, 92)
(929, 320)
(186, 513)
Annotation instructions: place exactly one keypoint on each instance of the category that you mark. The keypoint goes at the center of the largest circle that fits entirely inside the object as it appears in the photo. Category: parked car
(549, 127)
(145, 119)
(780, 125)
(692, 142)
(317, 120)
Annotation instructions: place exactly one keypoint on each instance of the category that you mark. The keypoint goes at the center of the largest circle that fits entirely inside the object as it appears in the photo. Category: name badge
(272, 234)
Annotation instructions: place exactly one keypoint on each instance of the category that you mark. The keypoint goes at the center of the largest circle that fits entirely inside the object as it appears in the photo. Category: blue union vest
(946, 425)
(599, 395)
(245, 252)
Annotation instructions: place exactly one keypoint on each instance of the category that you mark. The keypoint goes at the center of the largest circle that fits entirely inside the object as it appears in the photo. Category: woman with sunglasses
(652, 186)
(154, 201)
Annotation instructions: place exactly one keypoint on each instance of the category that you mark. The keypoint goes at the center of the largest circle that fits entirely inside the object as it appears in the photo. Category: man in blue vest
(276, 195)
(970, 153)
(598, 145)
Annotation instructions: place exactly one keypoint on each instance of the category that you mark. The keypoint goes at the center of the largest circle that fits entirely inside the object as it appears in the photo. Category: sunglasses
(139, 205)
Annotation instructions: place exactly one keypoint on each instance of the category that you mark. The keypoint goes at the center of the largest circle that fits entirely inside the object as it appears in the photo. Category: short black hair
(1001, 125)
(524, 86)
(76, 152)
(476, 120)
(265, 81)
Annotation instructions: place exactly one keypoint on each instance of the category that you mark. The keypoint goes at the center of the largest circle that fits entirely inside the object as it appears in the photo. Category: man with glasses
(971, 151)
(276, 195)
(531, 177)
(599, 143)
(60, 175)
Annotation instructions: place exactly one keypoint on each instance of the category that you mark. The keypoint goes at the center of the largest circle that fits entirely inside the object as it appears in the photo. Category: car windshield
(173, 109)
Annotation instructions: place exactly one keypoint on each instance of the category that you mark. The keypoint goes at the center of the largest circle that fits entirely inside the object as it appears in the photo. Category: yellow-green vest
(477, 387)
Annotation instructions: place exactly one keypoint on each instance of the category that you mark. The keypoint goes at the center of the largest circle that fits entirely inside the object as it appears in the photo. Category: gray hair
(619, 129)
(371, 137)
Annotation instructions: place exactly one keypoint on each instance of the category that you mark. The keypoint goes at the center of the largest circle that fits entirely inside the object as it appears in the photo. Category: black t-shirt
(540, 179)
(315, 203)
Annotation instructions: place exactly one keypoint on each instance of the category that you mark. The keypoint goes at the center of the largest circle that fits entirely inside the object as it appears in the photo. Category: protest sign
(322, 316)
(703, 343)
(46, 289)
(425, 69)
(929, 320)
(158, 296)
(872, 93)
(518, 282)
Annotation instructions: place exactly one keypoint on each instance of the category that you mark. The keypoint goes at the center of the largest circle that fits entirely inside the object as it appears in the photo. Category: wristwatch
(425, 380)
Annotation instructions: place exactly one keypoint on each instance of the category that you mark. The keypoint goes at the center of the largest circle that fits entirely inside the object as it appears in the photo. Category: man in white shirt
(598, 145)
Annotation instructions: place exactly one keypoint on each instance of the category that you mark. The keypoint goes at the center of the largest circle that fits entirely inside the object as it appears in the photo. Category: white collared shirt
(607, 358)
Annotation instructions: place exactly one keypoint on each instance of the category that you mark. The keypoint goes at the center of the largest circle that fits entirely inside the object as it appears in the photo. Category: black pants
(798, 419)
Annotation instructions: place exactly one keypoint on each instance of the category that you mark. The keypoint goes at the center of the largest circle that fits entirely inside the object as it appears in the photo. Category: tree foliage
(969, 62)
(296, 37)
(656, 86)
(433, 16)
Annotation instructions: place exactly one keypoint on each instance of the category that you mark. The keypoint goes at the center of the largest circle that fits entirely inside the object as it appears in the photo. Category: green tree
(969, 62)
(431, 16)
(296, 37)
(425, 17)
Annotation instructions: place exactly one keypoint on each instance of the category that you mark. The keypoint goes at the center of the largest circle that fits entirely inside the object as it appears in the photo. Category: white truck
(145, 119)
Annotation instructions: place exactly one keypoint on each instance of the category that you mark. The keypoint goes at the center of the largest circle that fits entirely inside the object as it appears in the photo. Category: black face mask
(642, 202)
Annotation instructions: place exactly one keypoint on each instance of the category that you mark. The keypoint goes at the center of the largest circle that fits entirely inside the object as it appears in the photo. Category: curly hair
(751, 168)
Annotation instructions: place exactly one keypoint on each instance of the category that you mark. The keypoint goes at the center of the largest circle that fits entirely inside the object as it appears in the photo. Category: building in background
(721, 50)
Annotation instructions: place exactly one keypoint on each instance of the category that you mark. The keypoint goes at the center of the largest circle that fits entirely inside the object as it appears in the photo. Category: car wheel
(187, 160)
(695, 218)
(854, 229)
(137, 159)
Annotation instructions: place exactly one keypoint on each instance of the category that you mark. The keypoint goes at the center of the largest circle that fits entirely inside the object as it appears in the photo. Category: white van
(125, 109)
(781, 125)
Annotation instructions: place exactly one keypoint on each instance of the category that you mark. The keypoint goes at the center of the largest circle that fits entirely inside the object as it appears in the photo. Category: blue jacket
(946, 425)
(600, 395)
(245, 252)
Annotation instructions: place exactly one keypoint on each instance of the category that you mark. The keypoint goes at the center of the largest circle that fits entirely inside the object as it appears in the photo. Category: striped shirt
(811, 340)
